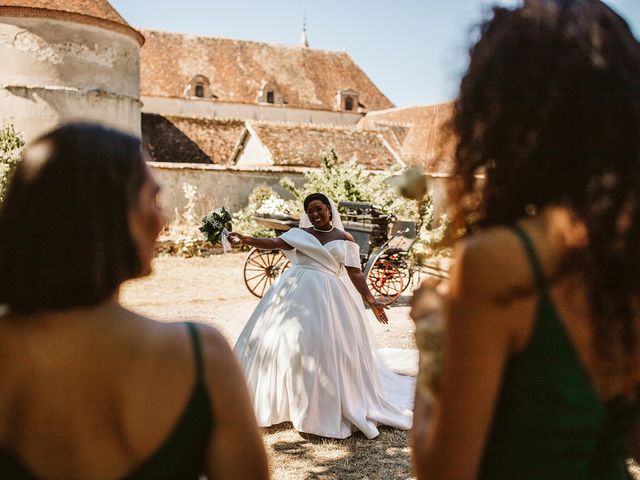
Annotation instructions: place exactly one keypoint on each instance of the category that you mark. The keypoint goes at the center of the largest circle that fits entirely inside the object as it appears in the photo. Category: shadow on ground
(308, 457)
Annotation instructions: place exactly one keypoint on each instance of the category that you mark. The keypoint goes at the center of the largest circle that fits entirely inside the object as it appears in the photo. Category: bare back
(569, 297)
(91, 397)
(496, 335)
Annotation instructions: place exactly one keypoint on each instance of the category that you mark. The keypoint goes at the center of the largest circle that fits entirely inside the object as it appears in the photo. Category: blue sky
(413, 50)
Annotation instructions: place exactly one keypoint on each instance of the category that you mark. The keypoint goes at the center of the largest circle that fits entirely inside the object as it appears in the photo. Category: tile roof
(427, 142)
(191, 140)
(306, 77)
(302, 145)
(94, 12)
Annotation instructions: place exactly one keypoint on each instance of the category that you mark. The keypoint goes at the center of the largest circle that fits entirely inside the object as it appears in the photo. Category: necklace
(323, 231)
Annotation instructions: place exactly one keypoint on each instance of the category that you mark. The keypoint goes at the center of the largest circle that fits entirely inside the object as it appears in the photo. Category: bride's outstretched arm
(259, 242)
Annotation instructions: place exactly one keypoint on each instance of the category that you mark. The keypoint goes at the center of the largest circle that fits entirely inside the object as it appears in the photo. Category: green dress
(549, 423)
(182, 456)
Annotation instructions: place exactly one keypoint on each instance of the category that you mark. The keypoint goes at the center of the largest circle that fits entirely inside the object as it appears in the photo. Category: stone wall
(55, 71)
(230, 187)
(217, 186)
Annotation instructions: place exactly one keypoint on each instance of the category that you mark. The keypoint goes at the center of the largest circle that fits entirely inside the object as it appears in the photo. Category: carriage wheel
(399, 261)
(261, 269)
(385, 279)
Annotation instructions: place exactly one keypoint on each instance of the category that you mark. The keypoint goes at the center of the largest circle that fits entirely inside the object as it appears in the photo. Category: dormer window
(348, 103)
(269, 93)
(198, 87)
(347, 100)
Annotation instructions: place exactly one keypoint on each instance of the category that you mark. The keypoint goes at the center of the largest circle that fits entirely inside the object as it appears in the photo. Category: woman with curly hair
(541, 359)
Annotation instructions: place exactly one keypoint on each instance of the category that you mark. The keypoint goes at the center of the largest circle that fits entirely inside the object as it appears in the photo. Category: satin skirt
(309, 358)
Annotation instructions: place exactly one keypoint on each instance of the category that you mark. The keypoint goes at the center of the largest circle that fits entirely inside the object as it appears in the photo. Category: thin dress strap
(538, 273)
(197, 350)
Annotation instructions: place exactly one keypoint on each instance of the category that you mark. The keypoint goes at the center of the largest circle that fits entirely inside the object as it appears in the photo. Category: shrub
(11, 144)
(243, 220)
(350, 181)
(181, 237)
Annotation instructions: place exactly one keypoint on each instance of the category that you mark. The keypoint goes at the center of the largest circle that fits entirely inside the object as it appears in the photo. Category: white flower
(274, 206)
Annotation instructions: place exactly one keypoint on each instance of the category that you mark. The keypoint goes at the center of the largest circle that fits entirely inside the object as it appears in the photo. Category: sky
(415, 51)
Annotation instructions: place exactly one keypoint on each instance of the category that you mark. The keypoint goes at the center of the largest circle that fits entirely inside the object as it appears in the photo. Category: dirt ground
(212, 291)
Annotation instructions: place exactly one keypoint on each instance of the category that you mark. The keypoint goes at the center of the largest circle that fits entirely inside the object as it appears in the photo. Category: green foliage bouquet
(215, 223)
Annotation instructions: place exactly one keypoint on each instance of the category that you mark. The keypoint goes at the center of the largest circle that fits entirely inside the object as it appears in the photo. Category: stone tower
(66, 60)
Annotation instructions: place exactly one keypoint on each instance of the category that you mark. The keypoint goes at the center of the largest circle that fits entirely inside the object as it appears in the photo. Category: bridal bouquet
(216, 225)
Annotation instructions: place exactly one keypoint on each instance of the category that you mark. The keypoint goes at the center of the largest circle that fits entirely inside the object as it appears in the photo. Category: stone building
(68, 59)
(426, 140)
(222, 114)
(196, 76)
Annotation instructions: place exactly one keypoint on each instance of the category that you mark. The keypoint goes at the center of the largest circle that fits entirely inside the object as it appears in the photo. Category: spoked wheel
(261, 269)
(385, 280)
(398, 259)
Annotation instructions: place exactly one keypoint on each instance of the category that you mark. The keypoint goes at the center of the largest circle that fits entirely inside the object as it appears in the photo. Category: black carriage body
(278, 223)
(368, 225)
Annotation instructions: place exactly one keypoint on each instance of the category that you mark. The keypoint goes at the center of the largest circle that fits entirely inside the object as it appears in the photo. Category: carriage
(384, 245)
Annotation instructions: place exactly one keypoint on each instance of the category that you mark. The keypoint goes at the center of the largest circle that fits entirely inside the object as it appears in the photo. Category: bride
(307, 353)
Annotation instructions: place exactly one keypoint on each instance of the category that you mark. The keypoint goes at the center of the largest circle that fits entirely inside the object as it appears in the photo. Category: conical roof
(94, 12)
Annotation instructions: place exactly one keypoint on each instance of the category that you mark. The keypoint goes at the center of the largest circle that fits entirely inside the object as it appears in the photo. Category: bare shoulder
(490, 262)
(169, 337)
(224, 377)
(347, 236)
(215, 348)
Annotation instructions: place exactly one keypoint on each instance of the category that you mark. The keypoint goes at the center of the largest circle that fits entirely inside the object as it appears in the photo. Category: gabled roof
(191, 140)
(307, 78)
(428, 143)
(93, 12)
(302, 145)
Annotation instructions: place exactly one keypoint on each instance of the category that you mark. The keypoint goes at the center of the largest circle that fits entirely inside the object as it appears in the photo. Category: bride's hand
(235, 238)
(378, 310)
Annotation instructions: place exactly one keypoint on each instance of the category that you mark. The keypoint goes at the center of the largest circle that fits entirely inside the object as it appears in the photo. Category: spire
(304, 42)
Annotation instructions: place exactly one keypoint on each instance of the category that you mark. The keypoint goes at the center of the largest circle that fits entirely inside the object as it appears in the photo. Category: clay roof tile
(428, 143)
(236, 69)
(96, 12)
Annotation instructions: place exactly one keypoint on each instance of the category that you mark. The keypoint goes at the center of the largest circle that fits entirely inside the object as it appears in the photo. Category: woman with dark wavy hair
(88, 388)
(541, 363)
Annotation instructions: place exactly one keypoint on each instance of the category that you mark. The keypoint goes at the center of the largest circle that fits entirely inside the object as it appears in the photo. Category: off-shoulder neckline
(330, 241)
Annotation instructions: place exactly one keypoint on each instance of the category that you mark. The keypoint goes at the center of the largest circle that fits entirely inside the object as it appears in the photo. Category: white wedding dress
(307, 352)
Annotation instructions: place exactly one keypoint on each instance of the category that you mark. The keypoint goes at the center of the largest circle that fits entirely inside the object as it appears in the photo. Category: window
(269, 94)
(348, 103)
(348, 100)
(199, 87)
